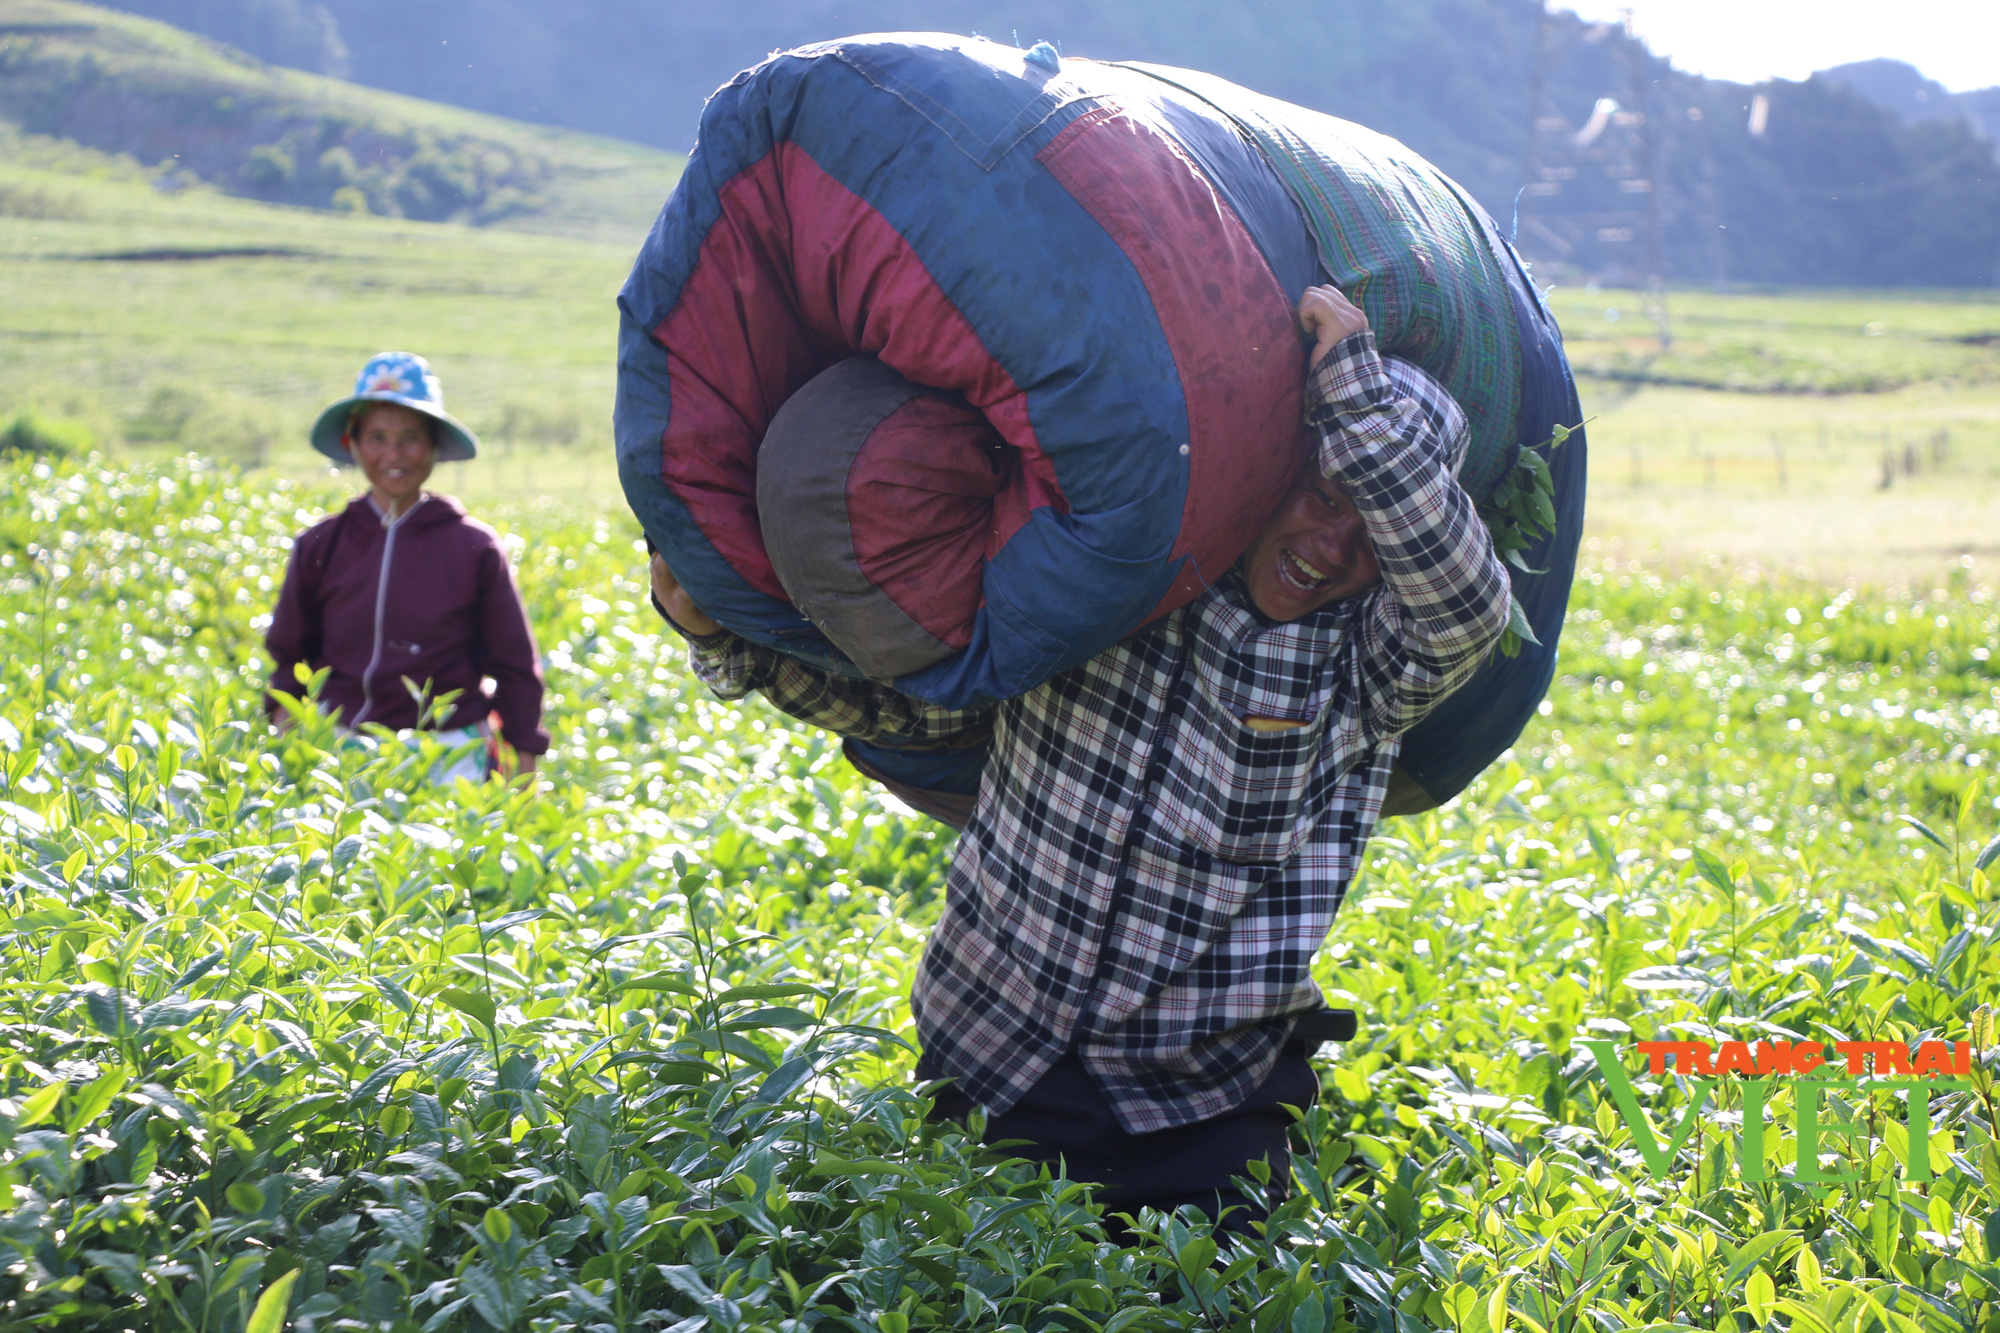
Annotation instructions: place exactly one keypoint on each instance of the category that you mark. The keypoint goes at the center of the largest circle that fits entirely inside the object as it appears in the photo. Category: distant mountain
(1444, 74)
(193, 109)
(1984, 104)
(1617, 165)
(1903, 89)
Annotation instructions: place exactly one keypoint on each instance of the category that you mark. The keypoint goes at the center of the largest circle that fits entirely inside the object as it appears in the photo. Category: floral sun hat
(406, 380)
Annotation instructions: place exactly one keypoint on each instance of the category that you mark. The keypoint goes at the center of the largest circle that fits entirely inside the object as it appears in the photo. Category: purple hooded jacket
(428, 599)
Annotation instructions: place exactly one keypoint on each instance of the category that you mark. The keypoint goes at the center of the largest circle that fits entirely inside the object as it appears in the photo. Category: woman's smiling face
(1313, 551)
(395, 449)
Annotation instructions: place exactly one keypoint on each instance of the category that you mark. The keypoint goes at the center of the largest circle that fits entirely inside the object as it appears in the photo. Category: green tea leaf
(1519, 625)
(1925, 829)
(345, 851)
(829, 1165)
(498, 1226)
(784, 1080)
(660, 981)
(781, 1016)
(91, 1100)
(667, 1069)
(1497, 1311)
(1885, 1231)
(399, 997)
(1755, 1251)
(1544, 511)
(39, 1105)
(113, 1014)
(513, 919)
(470, 1003)
(492, 966)
(269, 1314)
(1810, 1280)
(196, 971)
(1760, 1294)
(1711, 868)
(773, 991)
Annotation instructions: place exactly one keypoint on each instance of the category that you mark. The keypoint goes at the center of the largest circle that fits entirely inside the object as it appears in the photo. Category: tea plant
(291, 1037)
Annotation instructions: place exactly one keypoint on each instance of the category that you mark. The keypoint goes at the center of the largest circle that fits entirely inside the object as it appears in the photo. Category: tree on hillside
(1901, 88)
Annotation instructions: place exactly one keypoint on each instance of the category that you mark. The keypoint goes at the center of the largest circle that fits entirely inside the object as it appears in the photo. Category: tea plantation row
(289, 1037)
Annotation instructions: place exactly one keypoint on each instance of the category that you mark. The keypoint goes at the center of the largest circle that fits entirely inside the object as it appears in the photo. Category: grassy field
(287, 1033)
(1789, 341)
(128, 312)
(1842, 436)
(1889, 488)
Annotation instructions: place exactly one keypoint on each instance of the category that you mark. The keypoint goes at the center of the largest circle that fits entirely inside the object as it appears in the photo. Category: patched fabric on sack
(1086, 273)
(1095, 262)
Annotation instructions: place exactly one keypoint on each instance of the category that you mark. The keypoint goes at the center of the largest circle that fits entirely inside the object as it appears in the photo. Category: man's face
(1313, 551)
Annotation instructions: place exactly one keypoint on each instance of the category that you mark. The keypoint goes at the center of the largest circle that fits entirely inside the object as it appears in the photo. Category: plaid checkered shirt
(1146, 877)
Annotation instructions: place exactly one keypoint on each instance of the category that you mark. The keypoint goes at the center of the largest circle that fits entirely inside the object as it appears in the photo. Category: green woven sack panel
(1407, 245)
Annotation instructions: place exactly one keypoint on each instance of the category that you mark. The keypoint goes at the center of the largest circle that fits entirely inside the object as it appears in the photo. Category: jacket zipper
(389, 526)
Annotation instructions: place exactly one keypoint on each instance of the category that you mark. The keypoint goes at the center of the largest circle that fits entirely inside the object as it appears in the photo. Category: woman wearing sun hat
(402, 595)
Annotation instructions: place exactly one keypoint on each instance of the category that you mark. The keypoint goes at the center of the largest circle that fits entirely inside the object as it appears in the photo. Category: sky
(1956, 42)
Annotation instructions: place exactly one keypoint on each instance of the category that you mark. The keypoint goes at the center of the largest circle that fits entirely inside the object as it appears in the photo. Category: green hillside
(191, 110)
(198, 321)
(1838, 188)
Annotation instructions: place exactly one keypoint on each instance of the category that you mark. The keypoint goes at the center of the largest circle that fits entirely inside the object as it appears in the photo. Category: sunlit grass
(1790, 341)
(247, 349)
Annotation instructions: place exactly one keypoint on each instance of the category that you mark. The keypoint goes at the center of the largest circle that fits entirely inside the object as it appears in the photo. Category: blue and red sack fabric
(1103, 262)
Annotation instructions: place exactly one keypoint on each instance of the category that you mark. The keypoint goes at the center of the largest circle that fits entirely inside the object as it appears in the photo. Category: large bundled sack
(1091, 268)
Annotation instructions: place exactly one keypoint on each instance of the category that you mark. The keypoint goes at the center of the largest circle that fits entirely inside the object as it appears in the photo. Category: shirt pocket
(1236, 788)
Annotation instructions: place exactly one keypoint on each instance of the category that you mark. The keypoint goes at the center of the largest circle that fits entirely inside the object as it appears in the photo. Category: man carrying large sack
(1068, 286)
(1163, 834)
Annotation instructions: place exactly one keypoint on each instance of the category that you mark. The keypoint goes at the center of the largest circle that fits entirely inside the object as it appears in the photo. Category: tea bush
(291, 1037)
(31, 433)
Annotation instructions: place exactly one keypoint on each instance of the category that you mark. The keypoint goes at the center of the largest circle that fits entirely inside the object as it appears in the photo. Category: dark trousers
(1065, 1116)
